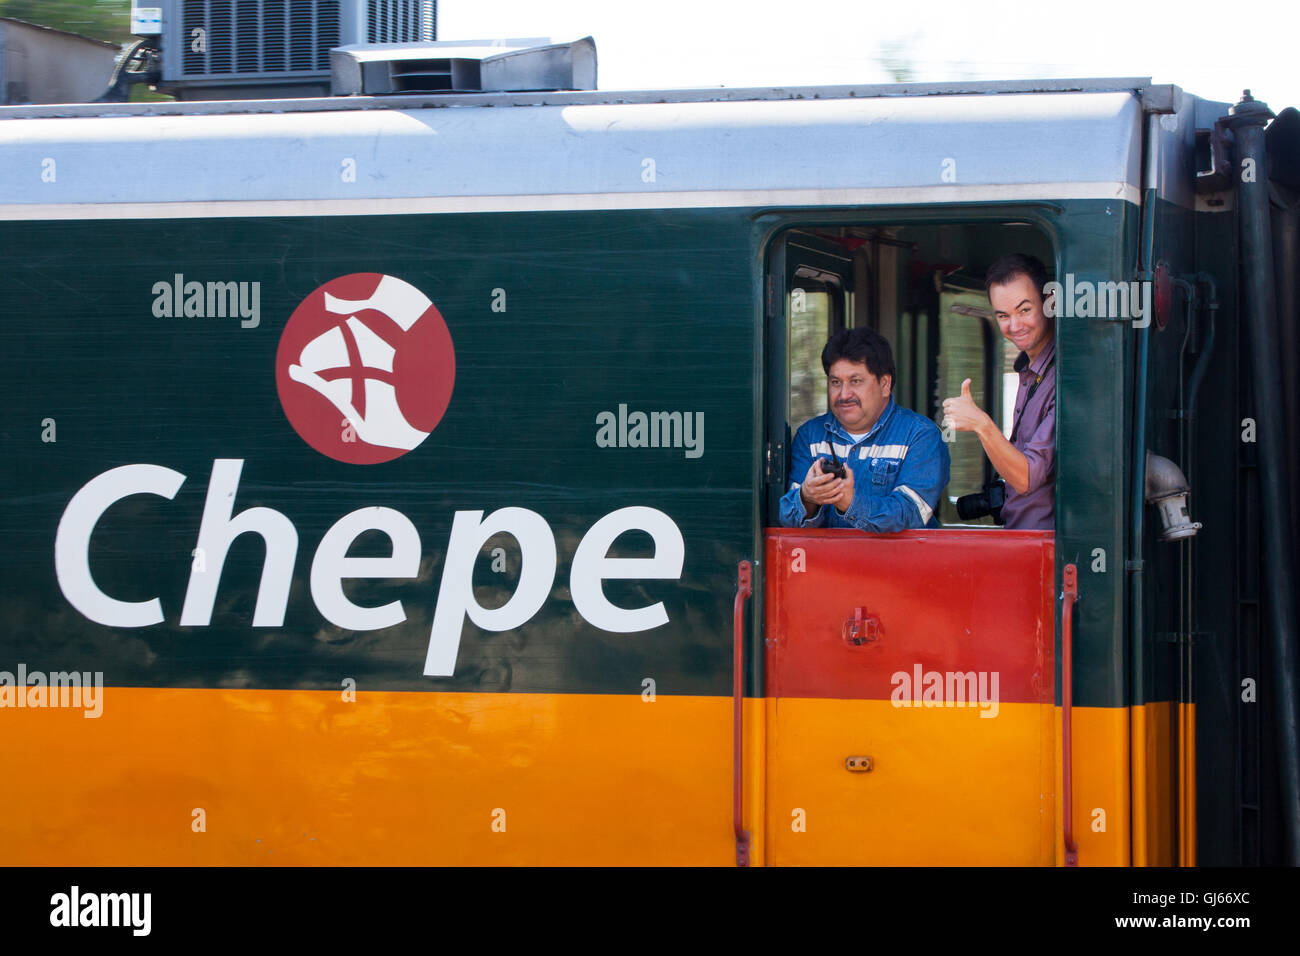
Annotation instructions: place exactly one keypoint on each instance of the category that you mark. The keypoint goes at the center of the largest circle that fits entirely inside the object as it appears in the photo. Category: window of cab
(921, 286)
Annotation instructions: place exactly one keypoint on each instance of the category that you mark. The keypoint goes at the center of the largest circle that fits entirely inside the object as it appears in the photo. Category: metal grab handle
(1069, 595)
(743, 590)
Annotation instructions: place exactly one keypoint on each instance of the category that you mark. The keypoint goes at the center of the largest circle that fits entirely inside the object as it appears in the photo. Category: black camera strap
(1015, 429)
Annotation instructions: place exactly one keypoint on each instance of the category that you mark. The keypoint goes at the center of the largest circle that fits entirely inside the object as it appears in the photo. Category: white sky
(676, 43)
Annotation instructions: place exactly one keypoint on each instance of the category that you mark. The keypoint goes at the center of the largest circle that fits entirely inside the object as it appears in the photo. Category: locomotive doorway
(909, 677)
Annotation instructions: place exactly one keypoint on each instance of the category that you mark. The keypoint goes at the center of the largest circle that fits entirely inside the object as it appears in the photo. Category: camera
(986, 502)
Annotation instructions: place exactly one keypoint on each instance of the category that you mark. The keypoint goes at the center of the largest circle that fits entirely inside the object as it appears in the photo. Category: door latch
(861, 628)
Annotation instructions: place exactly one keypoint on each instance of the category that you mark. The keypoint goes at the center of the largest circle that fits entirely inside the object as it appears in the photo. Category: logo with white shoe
(365, 368)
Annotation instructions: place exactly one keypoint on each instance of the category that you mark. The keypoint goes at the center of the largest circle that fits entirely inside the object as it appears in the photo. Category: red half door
(910, 697)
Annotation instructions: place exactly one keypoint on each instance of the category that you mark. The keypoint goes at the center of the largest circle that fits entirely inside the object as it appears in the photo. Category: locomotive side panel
(590, 700)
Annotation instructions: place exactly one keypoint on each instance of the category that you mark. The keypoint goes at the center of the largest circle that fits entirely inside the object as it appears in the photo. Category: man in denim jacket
(896, 463)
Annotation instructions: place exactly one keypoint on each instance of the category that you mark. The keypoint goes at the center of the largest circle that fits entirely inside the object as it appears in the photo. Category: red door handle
(1069, 595)
(743, 590)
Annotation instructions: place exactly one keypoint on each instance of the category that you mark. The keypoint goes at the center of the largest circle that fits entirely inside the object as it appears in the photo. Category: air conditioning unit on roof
(249, 49)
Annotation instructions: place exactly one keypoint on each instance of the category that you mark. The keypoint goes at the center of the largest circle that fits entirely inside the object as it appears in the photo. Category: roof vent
(463, 66)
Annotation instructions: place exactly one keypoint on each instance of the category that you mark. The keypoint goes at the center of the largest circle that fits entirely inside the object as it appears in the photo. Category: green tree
(102, 19)
(897, 57)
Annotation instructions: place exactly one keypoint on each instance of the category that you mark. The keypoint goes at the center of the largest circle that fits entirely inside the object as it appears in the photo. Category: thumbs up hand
(961, 413)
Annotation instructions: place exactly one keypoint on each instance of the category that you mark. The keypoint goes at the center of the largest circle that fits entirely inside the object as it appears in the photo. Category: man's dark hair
(860, 345)
(1016, 264)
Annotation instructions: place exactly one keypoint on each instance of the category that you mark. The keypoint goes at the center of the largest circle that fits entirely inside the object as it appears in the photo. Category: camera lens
(971, 507)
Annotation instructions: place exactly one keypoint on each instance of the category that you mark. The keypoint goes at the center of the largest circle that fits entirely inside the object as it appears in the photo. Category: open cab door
(910, 677)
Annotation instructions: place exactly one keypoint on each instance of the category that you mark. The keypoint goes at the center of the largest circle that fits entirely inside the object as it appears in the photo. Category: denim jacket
(900, 468)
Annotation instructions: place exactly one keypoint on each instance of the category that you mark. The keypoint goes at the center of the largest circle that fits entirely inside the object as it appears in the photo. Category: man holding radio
(868, 463)
(1027, 461)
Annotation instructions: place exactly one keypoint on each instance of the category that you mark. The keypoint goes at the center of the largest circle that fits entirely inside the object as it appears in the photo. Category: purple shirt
(1035, 438)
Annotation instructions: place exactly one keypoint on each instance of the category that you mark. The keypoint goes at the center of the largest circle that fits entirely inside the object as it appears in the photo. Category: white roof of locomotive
(894, 144)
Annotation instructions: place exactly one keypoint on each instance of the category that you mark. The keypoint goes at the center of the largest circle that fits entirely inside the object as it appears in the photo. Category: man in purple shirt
(1026, 462)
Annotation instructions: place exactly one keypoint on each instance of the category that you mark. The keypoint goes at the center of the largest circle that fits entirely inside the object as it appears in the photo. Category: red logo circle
(365, 368)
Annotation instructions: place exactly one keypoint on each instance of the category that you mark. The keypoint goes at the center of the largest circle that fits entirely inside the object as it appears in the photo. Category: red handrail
(1069, 595)
(743, 590)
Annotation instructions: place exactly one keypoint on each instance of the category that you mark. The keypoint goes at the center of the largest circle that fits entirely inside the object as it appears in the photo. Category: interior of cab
(921, 286)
